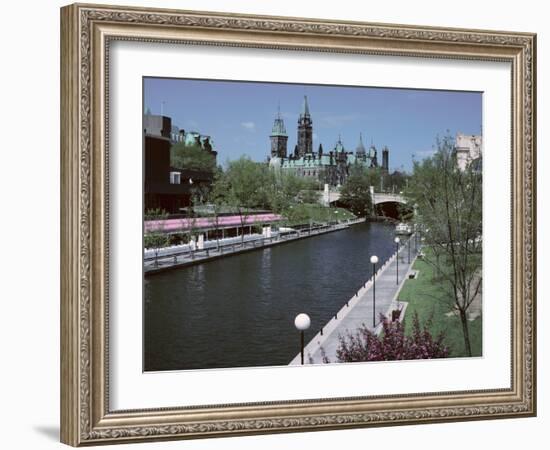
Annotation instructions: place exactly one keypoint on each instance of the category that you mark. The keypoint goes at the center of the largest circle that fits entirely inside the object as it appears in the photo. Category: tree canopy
(191, 157)
(355, 192)
(449, 205)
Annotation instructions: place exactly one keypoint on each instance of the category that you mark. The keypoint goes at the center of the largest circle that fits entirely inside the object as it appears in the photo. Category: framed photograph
(276, 224)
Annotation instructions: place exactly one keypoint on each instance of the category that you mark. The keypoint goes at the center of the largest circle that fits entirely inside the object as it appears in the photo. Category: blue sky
(239, 115)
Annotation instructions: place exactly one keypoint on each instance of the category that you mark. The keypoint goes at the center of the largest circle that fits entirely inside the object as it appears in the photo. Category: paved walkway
(359, 309)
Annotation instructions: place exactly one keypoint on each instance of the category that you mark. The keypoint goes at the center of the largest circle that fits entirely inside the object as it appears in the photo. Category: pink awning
(209, 222)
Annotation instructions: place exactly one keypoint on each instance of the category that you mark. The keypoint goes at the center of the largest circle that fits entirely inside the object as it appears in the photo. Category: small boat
(403, 228)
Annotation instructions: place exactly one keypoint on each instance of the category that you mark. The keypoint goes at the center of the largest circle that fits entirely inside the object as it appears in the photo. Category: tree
(449, 206)
(355, 193)
(283, 190)
(396, 181)
(191, 157)
(154, 238)
(392, 344)
(218, 200)
(309, 196)
(246, 184)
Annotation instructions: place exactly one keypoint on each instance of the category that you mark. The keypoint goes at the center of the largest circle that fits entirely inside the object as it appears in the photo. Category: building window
(175, 177)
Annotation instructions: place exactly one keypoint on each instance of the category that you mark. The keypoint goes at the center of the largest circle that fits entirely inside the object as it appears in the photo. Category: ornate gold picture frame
(87, 33)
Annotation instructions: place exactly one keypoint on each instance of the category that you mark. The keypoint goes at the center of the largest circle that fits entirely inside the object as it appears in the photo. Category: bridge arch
(385, 204)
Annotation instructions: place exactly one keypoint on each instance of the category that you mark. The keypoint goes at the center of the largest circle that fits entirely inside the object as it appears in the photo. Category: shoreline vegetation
(428, 295)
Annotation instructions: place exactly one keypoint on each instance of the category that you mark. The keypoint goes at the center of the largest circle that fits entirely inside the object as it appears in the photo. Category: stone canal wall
(173, 260)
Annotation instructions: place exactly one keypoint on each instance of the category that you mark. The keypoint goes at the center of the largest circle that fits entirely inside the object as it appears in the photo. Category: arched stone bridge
(379, 197)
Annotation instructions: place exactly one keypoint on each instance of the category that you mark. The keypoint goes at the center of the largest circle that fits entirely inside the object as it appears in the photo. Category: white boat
(403, 228)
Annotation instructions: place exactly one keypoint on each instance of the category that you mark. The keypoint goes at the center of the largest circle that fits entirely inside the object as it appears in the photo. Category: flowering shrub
(392, 344)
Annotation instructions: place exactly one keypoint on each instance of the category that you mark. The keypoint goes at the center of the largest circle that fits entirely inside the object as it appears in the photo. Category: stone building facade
(332, 167)
(468, 150)
(165, 187)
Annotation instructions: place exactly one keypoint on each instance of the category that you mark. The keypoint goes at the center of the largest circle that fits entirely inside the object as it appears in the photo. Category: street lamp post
(409, 249)
(415, 209)
(302, 323)
(396, 240)
(374, 261)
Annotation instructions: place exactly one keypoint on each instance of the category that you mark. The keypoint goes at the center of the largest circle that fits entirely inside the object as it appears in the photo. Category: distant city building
(156, 125)
(165, 187)
(468, 150)
(385, 160)
(331, 167)
(190, 138)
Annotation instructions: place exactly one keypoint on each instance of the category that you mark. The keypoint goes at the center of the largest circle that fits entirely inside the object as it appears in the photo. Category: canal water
(239, 311)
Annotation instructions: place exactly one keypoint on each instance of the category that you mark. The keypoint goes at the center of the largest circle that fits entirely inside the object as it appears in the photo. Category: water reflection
(239, 311)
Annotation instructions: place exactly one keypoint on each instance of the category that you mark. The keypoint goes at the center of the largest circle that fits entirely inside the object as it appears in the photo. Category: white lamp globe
(302, 322)
(374, 259)
(396, 240)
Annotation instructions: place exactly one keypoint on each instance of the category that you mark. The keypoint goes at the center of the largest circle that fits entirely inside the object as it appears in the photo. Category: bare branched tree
(449, 206)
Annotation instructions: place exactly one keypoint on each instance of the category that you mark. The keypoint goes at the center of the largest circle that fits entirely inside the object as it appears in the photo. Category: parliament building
(330, 167)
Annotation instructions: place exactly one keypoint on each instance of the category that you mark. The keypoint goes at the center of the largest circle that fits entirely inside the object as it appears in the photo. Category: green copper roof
(323, 161)
(278, 125)
(278, 128)
(339, 147)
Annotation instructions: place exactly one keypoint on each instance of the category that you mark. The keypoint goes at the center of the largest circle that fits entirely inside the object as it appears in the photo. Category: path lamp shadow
(374, 261)
(302, 323)
(396, 240)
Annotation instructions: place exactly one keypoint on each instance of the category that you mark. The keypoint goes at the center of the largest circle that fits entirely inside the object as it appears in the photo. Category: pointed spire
(279, 128)
(360, 150)
(305, 107)
(339, 147)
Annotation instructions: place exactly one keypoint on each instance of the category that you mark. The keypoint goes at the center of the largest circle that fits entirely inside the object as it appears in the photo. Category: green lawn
(426, 295)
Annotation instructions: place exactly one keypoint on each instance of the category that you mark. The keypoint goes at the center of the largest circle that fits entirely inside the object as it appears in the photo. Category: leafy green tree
(218, 200)
(396, 181)
(355, 193)
(449, 206)
(246, 184)
(309, 196)
(191, 157)
(282, 190)
(156, 239)
(155, 214)
(374, 175)
(309, 191)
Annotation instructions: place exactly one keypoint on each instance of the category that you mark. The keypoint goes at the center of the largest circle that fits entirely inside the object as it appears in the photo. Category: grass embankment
(300, 214)
(426, 295)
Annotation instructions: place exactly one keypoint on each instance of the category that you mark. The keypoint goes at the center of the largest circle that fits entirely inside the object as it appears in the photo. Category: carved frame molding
(86, 32)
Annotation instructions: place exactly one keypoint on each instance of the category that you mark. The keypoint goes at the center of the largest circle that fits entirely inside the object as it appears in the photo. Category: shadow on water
(239, 311)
